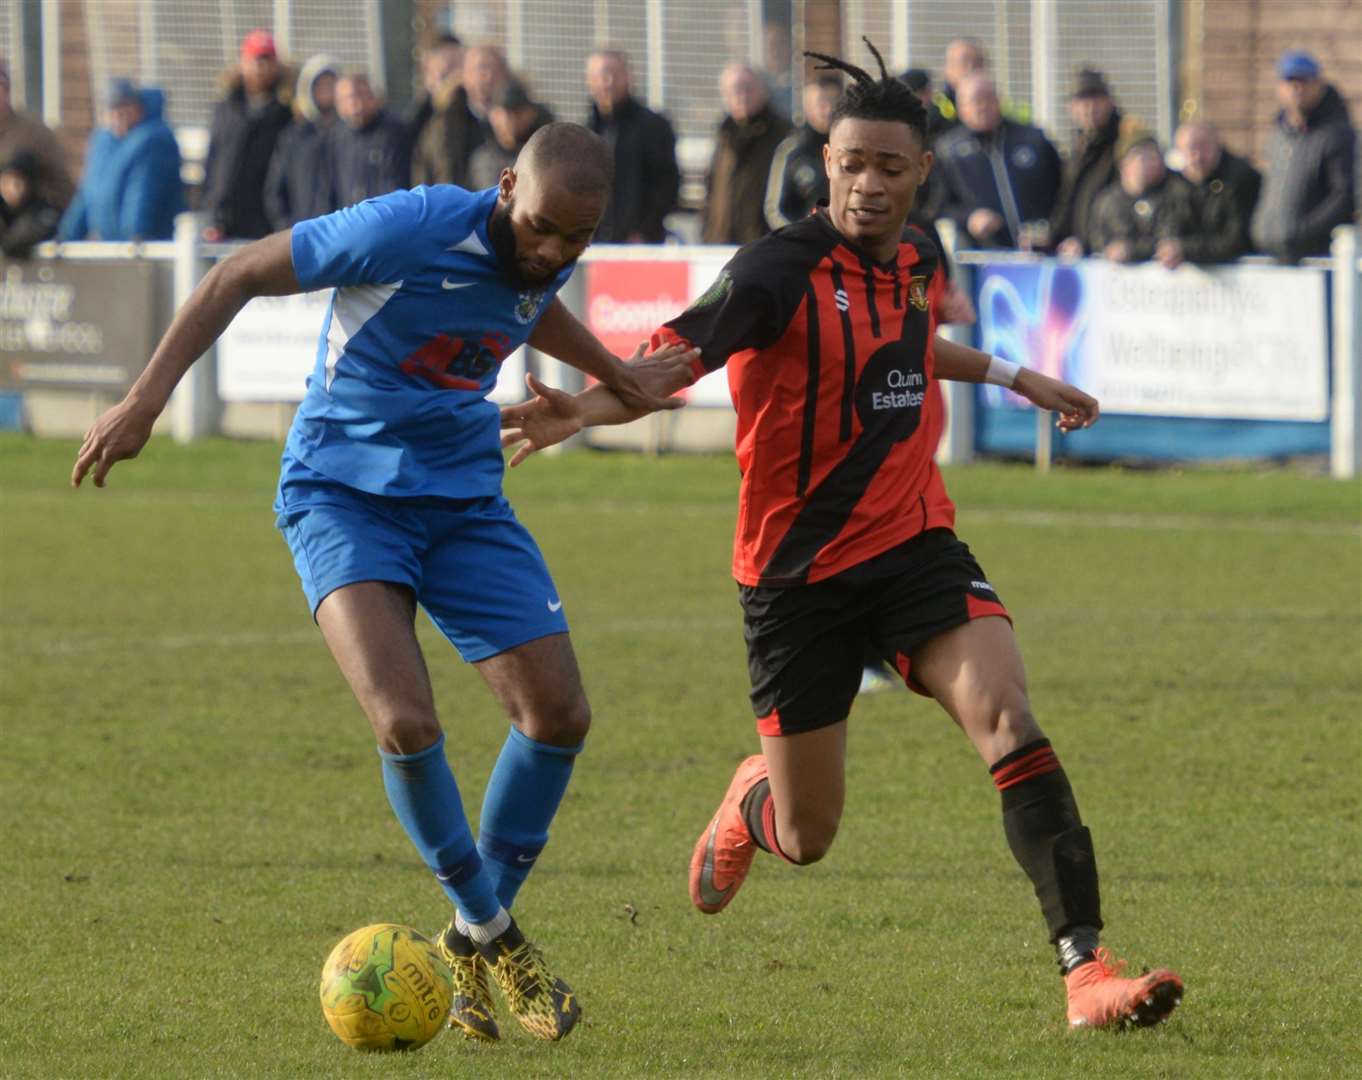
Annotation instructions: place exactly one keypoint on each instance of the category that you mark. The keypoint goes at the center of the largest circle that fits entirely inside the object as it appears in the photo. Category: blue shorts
(473, 567)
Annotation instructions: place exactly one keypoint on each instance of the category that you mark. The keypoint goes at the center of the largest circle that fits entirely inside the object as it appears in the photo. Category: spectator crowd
(286, 145)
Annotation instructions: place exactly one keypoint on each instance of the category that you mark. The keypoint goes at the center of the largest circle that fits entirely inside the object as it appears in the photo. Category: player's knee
(560, 723)
(400, 731)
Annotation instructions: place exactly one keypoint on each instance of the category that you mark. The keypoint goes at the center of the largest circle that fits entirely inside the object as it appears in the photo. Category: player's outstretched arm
(264, 268)
(960, 363)
(552, 415)
(562, 335)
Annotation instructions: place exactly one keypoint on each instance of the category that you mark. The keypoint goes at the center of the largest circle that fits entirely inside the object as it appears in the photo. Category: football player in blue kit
(390, 496)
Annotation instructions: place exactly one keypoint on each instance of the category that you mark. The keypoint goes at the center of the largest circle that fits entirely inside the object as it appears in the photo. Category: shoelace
(464, 969)
(1108, 965)
(529, 975)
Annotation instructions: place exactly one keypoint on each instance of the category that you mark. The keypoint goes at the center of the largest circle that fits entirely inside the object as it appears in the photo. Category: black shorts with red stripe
(806, 644)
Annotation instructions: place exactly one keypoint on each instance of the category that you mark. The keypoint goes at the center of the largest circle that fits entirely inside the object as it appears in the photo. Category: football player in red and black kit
(845, 533)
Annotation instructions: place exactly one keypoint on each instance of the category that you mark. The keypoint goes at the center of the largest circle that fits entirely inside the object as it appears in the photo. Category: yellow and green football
(385, 987)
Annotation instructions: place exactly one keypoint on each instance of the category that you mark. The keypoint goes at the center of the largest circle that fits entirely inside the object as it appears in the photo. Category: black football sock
(1050, 842)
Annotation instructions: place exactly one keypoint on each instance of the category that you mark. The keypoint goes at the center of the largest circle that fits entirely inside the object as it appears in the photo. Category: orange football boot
(723, 854)
(1100, 997)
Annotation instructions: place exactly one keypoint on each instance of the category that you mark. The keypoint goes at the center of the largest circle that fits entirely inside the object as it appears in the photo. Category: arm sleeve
(777, 215)
(1338, 206)
(368, 243)
(740, 310)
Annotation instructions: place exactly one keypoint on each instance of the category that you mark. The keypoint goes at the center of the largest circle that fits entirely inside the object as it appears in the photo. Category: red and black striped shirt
(830, 363)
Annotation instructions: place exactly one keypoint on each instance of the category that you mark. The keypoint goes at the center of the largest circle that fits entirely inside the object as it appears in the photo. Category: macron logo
(842, 300)
(447, 284)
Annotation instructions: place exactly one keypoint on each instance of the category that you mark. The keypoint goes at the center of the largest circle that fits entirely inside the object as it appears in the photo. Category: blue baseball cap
(1297, 64)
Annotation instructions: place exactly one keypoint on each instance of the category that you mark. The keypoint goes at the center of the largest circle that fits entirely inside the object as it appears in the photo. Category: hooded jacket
(1309, 186)
(132, 188)
(240, 147)
(298, 184)
(1091, 168)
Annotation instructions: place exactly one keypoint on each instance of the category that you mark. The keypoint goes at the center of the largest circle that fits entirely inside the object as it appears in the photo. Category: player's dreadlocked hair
(868, 98)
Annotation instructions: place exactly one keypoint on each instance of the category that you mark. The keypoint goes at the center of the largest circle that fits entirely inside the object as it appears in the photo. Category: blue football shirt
(421, 317)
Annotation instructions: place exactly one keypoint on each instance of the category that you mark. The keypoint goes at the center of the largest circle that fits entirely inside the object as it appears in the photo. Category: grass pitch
(194, 815)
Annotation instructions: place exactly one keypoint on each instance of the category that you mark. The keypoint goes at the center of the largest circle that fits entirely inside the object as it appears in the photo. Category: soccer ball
(385, 987)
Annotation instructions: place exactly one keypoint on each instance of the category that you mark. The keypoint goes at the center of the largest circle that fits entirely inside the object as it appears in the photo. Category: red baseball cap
(256, 44)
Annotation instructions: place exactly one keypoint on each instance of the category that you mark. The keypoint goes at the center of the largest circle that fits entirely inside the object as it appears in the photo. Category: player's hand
(545, 420)
(1076, 409)
(647, 382)
(118, 434)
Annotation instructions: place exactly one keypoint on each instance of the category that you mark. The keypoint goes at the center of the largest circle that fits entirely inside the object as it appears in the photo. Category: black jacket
(1014, 172)
(240, 146)
(1090, 168)
(23, 228)
(298, 185)
(372, 160)
(1164, 212)
(799, 179)
(1309, 187)
(647, 180)
(1224, 209)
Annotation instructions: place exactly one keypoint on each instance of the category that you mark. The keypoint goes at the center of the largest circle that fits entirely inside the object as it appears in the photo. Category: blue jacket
(1015, 172)
(132, 188)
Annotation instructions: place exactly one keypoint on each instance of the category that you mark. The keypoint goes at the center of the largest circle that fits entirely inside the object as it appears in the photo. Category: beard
(502, 235)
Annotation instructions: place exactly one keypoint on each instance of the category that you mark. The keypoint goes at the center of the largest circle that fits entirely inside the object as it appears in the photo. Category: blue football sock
(425, 798)
(522, 796)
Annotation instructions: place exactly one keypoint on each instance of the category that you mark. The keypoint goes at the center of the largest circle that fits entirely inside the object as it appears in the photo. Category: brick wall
(1232, 48)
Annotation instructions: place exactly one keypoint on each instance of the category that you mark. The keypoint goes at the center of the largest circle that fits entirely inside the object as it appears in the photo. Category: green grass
(193, 813)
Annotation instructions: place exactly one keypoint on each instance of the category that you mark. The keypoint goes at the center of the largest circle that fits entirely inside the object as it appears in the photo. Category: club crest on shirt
(722, 285)
(917, 292)
(527, 305)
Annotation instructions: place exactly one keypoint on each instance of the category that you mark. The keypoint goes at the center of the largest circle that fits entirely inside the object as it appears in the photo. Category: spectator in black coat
(514, 118)
(1227, 189)
(298, 186)
(647, 180)
(247, 123)
(1001, 177)
(1148, 213)
(26, 217)
(799, 176)
(1310, 186)
(370, 154)
(1091, 166)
